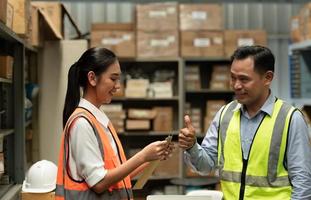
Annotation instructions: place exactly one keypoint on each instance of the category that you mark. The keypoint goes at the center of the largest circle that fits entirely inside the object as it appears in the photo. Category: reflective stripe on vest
(90, 195)
(275, 179)
(67, 188)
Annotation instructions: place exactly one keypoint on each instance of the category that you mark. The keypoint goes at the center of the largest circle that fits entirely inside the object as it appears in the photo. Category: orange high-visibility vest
(69, 189)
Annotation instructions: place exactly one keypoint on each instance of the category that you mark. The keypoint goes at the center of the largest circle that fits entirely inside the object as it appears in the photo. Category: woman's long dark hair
(94, 59)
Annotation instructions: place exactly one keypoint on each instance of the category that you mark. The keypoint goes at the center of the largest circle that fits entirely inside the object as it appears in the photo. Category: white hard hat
(40, 178)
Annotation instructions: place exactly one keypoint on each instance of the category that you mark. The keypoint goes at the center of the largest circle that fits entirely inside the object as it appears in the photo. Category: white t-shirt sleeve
(85, 161)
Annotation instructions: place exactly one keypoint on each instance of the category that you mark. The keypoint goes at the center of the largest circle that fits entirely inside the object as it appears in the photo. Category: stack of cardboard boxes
(158, 119)
(192, 77)
(16, 15)
(201, 28)
(35, 21)
(220, 78)
(157, 30)
(116, 115)
(139, 119)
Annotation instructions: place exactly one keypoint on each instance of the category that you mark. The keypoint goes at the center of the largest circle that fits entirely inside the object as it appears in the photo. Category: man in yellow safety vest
(259, 143)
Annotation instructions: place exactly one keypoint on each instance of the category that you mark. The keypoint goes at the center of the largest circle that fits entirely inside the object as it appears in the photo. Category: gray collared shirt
(203, 158)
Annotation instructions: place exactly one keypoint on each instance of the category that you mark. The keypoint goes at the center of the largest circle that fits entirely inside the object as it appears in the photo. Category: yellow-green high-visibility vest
(262, 175)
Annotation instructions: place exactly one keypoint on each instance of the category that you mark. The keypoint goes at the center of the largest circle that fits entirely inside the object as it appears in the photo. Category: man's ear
(268, 77)
(92, 78)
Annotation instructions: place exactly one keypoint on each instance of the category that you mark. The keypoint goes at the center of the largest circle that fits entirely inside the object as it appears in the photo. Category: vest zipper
(243, 177)
(245, 162)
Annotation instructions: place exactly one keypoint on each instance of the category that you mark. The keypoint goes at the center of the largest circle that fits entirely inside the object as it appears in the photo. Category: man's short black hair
(262, 56)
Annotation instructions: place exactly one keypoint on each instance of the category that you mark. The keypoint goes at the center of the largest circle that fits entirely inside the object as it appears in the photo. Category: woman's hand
(159, 150)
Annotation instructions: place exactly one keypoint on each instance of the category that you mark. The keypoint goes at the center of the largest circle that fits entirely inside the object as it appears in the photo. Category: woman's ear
(92, 78)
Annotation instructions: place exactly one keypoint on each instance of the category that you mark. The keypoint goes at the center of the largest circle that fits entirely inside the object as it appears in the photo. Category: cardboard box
(295, 33)
(6, 67)
(136, 88)
(157, 44)
(201, 17)
(21, 16)
(149, 15)
(171, 166)
(120, 38)
(164, 119)
(237, 38)
(38, 196)
(135, 124)
(48, 21)
(53, 11)
(138, 113)
(202, 44)
(161, 89)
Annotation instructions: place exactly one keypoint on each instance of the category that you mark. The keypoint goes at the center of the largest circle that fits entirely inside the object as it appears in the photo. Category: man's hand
(186, 137)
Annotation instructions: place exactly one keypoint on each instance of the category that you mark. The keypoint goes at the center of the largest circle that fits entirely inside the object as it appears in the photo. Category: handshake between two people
(162, 150)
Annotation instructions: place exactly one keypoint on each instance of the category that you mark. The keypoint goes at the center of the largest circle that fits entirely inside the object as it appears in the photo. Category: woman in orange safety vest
(92, 164)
